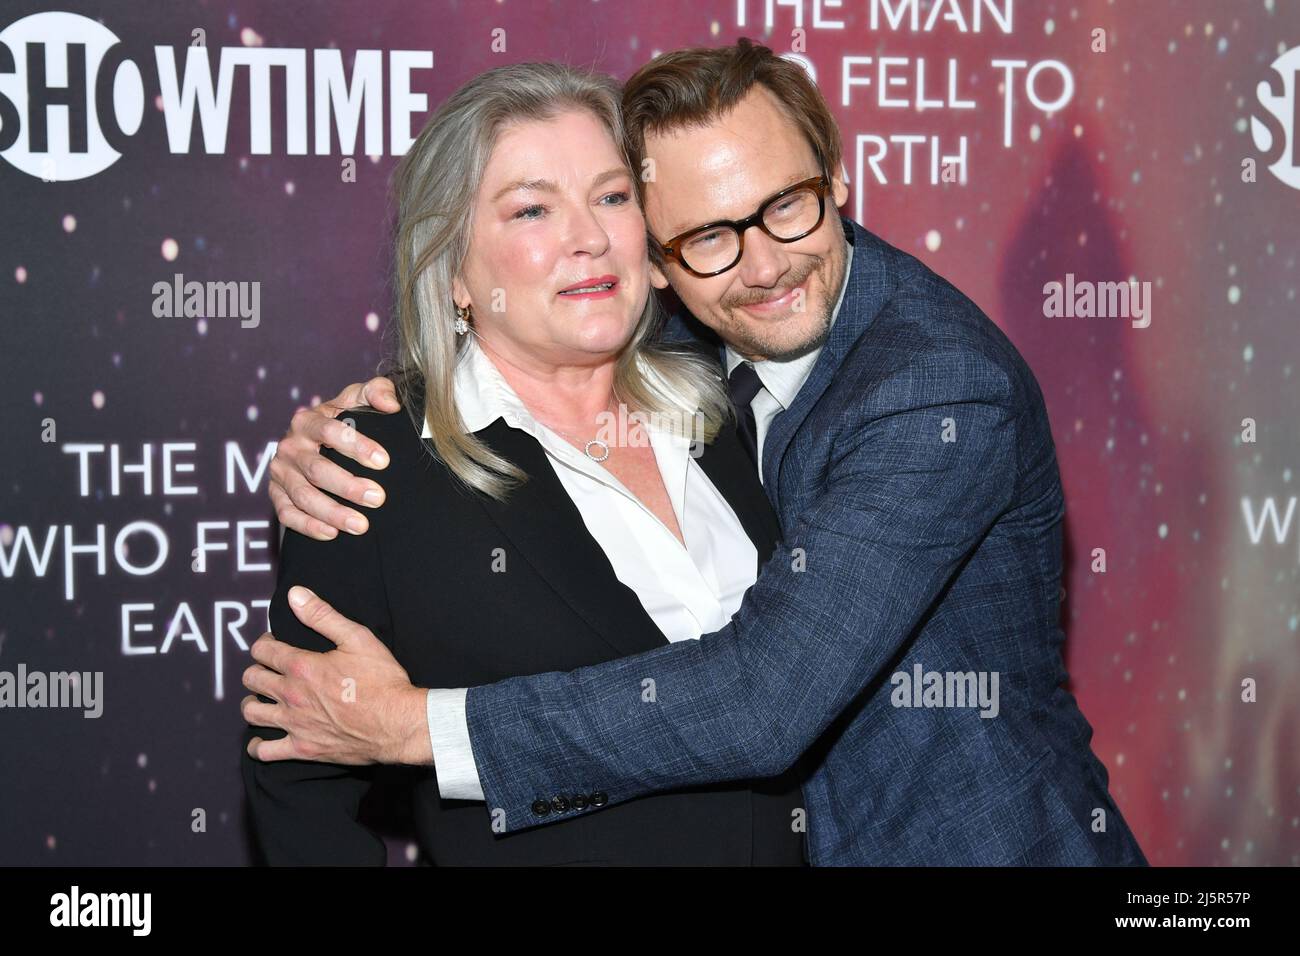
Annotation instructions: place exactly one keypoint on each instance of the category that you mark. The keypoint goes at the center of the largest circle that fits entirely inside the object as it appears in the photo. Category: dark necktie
(744, 384)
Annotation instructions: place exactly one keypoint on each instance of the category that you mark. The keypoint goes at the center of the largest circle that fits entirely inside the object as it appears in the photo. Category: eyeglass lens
(789, 217)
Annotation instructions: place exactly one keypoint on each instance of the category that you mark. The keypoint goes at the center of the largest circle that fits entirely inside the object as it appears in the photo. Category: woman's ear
(459, 294)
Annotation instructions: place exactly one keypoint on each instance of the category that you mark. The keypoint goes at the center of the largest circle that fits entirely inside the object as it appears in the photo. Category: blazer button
(541, 808)
(579, 802)
(560, 804)
(599, 798)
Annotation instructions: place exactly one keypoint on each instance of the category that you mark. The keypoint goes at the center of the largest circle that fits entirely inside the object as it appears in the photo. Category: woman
(544, 511)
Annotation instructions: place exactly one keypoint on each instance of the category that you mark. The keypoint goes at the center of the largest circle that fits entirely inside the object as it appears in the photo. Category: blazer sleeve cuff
(453, 755)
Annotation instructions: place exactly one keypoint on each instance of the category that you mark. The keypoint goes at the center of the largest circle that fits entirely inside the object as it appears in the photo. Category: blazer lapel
(866, 294)
(734, 475)
(547, 529)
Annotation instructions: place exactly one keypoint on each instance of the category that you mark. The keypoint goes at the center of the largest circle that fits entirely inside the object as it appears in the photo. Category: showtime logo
(1275, 128)
(70, 99)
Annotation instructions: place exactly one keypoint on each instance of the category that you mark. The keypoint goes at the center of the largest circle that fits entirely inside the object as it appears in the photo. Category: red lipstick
(596, 287)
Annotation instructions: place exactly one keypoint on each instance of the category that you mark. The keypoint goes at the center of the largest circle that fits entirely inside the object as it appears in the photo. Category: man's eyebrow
(546, 186)
(787, 182)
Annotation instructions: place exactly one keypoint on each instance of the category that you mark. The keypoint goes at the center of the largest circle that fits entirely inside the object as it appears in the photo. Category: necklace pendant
(603, 447)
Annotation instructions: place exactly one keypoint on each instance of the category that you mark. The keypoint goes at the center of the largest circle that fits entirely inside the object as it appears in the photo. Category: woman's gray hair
(435, 186)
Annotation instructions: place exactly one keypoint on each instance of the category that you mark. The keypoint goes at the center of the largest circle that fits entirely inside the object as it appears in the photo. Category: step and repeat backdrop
(1117, 184)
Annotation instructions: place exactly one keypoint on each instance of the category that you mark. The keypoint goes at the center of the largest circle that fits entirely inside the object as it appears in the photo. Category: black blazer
(427, 579)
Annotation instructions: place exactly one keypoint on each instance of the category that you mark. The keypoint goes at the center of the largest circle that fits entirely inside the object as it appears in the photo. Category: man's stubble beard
(738, 331)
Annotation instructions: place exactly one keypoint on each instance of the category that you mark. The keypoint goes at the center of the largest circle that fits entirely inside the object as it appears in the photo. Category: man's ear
(657, 277)
(839, 190)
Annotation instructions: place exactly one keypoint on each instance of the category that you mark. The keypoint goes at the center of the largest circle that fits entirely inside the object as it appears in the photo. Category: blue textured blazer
(920, 504)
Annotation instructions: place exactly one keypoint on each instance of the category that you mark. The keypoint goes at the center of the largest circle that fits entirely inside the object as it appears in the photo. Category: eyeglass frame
(820, 185)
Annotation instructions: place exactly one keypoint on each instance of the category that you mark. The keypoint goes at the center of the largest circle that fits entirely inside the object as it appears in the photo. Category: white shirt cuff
(453, 755)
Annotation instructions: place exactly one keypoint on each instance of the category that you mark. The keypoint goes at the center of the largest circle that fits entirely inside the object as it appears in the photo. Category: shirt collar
(784, 377)
(483, 395)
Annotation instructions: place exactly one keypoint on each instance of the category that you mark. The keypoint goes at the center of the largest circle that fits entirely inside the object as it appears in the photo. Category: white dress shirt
(686, 592)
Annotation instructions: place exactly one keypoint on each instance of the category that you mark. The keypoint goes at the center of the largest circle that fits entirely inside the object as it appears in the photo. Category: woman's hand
(352, 705)
(298, 469)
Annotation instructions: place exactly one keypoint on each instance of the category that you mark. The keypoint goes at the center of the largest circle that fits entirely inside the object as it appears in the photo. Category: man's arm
(901, 510)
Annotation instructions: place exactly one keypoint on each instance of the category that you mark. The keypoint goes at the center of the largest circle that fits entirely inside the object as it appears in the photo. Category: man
(903, 641)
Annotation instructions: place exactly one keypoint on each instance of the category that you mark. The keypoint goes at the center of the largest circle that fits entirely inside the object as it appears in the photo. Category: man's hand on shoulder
(300, 474)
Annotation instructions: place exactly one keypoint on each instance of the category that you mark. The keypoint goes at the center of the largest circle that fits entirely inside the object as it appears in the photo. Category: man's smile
(779, 302)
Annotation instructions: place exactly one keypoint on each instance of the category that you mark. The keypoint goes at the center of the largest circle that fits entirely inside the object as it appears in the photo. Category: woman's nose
(587, 234)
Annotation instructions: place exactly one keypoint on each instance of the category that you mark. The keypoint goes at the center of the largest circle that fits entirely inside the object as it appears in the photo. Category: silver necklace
(586, 448)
